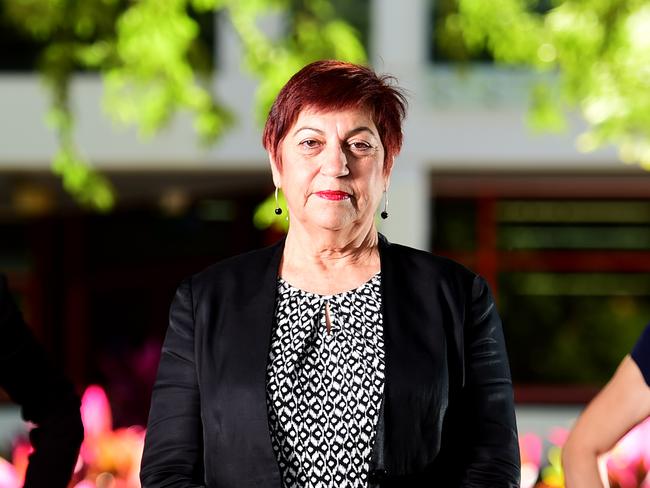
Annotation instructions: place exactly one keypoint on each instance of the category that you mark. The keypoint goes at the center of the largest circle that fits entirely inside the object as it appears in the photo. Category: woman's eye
(309, 143)
(359, 146)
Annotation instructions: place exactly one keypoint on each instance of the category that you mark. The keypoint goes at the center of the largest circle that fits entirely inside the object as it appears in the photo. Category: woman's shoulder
(425, 261)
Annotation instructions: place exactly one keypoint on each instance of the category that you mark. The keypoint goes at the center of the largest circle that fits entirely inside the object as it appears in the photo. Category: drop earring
(278, 209)
(384, 213)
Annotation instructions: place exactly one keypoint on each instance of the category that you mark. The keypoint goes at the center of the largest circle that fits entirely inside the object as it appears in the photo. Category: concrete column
(408, 206)
(399, 47)
(399, 35)
(228, 50)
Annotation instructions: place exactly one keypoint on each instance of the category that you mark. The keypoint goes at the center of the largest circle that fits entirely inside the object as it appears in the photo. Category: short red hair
(336, 85)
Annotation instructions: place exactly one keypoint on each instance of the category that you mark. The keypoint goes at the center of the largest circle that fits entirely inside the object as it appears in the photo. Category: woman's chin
(331, 221)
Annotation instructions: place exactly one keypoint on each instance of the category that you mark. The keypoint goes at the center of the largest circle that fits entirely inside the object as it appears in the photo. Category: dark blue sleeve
(641, 354)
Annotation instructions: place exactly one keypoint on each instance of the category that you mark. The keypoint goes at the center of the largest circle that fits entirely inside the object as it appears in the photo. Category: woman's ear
(275, 171)
(388, 170)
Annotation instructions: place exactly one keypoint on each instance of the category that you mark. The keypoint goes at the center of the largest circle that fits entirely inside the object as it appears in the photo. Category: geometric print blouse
(324, 388)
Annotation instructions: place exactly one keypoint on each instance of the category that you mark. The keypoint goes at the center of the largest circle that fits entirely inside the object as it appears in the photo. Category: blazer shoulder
(430, 263)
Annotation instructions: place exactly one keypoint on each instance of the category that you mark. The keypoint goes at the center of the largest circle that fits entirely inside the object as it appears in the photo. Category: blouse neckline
(357, 289)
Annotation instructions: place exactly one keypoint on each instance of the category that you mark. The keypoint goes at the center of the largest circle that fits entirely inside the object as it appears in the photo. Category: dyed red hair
(335, 85)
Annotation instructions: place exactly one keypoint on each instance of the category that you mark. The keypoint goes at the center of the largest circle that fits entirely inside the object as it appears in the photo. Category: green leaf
(546, 112)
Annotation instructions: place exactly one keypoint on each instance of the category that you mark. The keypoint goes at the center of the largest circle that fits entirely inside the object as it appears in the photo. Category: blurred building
(562, 236)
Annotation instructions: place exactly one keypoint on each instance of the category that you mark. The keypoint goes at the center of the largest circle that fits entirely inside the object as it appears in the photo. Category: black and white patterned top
(324, 388)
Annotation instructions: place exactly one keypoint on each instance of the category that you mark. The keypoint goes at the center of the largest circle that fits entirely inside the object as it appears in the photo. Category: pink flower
(20, 458)
(634, 446)
(8, 476)
(530, 446)
(558, 436)
(85, 484)
(96, 411)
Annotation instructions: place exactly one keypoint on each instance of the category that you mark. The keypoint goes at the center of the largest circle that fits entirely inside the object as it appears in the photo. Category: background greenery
(154, 58)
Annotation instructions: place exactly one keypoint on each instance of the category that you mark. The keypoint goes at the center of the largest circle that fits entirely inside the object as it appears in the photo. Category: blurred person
(46, 398)
(621, 404)
(333, 358)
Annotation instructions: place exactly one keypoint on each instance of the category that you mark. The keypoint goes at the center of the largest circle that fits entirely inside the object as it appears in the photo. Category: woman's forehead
(317, 118)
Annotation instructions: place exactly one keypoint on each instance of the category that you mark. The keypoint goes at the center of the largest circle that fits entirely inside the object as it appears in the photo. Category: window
(569, 261)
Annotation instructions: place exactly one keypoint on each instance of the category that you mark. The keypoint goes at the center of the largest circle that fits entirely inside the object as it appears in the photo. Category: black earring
(384, 213)
(278, 210)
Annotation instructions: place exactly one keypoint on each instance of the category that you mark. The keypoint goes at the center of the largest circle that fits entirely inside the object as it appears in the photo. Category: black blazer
(447, 419)
(46, 398)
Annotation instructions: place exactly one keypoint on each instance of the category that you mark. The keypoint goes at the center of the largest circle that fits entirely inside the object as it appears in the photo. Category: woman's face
(331, 169)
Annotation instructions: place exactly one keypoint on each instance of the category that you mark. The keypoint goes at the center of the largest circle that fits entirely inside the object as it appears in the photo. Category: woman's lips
(333, 195)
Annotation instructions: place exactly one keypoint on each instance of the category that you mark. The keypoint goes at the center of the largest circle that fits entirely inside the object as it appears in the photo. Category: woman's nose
(335, 162)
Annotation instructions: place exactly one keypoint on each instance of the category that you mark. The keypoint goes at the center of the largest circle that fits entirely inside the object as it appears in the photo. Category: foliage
(313, 33)
(154, 77)
(76, 34)
(146, 51)
(598, 50)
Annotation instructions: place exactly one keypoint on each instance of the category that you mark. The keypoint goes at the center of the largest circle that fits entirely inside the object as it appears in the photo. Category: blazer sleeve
(46, 398)
(173, 448)
(492, 450)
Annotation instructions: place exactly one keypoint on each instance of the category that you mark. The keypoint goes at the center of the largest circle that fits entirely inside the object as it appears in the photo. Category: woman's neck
(330, 262)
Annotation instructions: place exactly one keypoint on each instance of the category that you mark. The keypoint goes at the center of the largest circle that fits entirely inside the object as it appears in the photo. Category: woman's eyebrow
(308, 128)
(352, 132)
(361, 129)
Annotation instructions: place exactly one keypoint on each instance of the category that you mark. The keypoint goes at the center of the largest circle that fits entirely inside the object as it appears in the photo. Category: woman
(333, 358)
(623, 403)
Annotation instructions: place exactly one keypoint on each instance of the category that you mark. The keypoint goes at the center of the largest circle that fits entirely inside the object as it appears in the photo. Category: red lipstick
(333, 195)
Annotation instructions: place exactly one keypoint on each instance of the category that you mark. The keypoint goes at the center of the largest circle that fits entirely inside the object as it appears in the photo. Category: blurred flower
(108, 458)
(558, 436)
(20, 458)
(85, 484)
(95, 412)
(530, 447)
(552, 475)
(628, 463)
(111, 458)
(8, 476)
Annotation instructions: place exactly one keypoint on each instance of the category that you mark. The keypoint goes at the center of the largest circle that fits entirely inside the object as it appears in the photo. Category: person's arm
(46, 397)
(492, 448)
(622, 403)
(173, 448)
